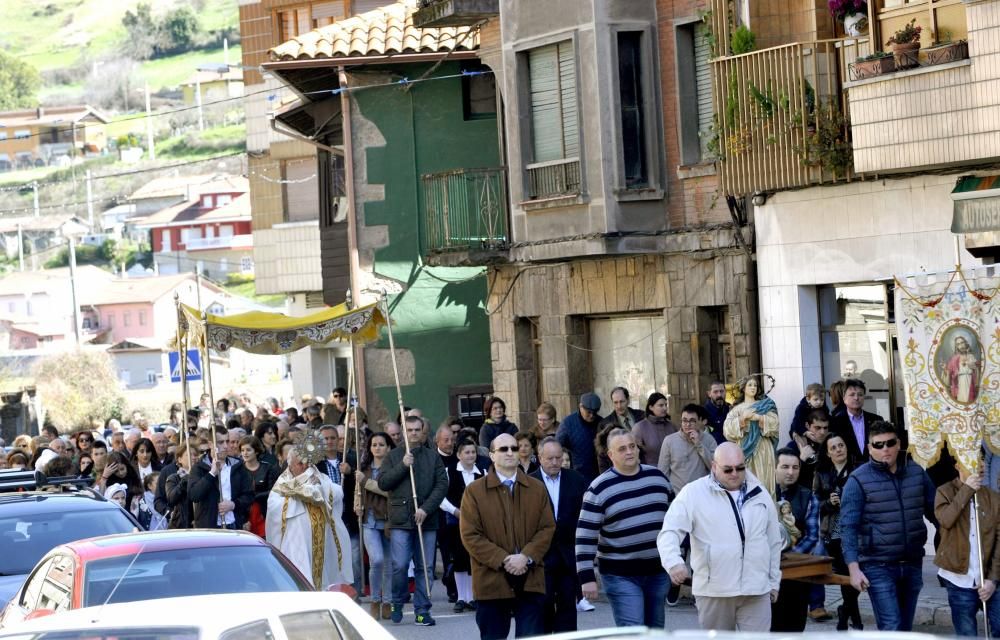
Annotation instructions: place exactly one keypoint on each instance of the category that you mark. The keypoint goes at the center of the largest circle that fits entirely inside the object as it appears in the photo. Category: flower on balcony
(908, 34)
(840, 9)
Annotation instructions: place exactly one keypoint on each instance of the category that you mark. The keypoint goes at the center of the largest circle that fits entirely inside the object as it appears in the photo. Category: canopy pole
(358, 505)
(406, 441)
(182, 360)
(207, 373)
(982, 571)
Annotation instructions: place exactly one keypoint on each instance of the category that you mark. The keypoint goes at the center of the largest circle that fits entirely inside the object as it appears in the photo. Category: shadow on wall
(469, 294)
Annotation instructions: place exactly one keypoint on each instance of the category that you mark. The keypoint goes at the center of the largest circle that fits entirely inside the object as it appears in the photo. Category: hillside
(67, 39)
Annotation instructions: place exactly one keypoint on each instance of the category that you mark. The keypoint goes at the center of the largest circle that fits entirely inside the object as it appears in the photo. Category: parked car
(246, 616)
(34, 521)
(150, 565)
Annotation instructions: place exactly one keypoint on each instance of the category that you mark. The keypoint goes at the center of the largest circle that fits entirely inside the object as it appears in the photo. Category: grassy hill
(61, 34)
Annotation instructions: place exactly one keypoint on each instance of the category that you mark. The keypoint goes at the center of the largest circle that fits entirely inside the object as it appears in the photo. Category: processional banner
(949, 342)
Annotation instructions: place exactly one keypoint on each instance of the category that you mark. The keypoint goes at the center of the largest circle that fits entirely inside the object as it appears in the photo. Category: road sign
(193, 365)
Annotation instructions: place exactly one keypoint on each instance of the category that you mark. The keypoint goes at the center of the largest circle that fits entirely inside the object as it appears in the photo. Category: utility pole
(149, 127)
(90, 202)
(197, 101)
(34, 187)
(72, 286)
(20, 246)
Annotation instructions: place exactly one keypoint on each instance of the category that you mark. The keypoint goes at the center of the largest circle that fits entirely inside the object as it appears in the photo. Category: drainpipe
(354, 262)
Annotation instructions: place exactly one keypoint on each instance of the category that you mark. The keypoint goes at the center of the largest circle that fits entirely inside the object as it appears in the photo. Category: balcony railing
(553, 178)
(781, 116)
(219, 242)
(455, 13)
(466, 210)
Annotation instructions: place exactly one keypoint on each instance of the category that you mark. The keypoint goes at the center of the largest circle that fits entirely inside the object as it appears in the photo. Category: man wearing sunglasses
(731, 514)
(882, 529)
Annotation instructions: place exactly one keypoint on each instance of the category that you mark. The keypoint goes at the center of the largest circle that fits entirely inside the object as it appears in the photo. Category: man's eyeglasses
(891, 442)
(506, 449)
(737, 469)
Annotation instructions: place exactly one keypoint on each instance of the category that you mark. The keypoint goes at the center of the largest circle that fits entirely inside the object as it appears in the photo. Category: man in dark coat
(221, 498)
(854, 424)
(717, 409)
(431, 486)
(565, 488)
(577, 432)
(623, 415)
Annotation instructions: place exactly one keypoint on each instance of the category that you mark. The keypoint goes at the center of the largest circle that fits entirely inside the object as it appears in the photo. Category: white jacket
(724, 563)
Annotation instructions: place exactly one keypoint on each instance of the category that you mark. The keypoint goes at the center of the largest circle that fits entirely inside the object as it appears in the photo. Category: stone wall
(551, 303)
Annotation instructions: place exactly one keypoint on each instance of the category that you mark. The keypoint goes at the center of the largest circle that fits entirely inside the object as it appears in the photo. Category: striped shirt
(619, 522)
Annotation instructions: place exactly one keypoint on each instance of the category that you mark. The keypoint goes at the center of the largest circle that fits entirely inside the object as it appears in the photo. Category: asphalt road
(463, 625)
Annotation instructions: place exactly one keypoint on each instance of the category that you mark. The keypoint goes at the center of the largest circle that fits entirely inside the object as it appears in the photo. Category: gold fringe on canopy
(276, 333)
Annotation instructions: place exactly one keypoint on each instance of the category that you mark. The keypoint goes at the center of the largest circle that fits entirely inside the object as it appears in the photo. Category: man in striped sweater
(622, 513)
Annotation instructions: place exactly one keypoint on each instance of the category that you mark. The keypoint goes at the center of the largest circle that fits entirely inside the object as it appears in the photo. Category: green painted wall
(443, 324)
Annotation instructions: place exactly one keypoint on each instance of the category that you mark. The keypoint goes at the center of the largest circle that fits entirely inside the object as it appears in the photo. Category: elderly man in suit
(507, 527)
(565, 488)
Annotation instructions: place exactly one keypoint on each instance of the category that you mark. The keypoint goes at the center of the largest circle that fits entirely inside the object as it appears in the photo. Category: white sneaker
(584, 605)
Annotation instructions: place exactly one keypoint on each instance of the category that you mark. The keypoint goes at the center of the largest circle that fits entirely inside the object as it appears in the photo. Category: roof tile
(385, 31)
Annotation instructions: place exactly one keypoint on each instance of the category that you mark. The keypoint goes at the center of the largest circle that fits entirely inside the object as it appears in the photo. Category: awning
(275, 333)
(977, 204)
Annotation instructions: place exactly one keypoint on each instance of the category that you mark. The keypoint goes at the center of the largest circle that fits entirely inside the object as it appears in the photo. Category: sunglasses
(506, 449)
(85, 439)
(891, 442)
(737, 469)
(204, 451)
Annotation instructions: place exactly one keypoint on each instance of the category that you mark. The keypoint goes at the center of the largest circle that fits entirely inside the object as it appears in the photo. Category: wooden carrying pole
(982, 570)
(182, 342)
(406, 441)
(206, 371)
(358, 502)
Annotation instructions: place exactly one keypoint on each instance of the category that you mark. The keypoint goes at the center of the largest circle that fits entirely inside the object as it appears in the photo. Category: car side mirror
(39, 613)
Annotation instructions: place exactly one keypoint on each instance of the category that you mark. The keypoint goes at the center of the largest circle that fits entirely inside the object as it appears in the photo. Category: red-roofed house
(206, 230)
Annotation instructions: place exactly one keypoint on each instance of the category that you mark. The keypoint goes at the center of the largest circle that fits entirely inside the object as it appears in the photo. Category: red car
(158, 564)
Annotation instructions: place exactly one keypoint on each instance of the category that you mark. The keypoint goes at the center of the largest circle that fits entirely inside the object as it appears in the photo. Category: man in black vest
(789, 612)
(565, 488)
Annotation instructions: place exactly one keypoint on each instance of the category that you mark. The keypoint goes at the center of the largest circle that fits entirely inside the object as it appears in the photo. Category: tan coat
(951, 507)
(494, 525)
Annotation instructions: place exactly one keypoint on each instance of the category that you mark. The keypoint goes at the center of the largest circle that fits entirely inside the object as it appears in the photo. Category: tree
(179, 29)
(77, 387)
(19, 82)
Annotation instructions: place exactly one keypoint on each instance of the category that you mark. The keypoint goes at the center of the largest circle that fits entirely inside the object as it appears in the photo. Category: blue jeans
(893, 591)
(637, 600)
(356, 565)
(380, 561)
(405, 547)
(965, 604)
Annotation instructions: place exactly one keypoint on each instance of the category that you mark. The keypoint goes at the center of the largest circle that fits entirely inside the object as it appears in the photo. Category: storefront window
(857, 334)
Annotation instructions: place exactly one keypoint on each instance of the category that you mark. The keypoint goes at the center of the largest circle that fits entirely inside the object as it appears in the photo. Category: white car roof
(211, 614)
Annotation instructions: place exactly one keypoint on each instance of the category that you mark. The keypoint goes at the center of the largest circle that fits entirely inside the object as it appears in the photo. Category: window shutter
(326, 13)
(703, 85)
(362, 6)
(301, 190)
(552, 87)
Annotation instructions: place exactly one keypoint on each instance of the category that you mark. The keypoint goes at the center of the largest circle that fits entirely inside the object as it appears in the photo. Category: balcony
(781, 116)
(454, 13)
(553, 179)
(466, 216)
(244, 241)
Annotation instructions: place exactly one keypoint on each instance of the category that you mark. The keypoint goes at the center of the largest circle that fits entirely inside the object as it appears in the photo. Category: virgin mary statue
(753, 424)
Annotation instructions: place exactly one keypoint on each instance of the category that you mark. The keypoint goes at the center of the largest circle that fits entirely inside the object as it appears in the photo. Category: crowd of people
(531, 522)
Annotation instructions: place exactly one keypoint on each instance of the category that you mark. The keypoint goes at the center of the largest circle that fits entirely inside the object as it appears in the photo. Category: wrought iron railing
(553, 178)
(465, 209)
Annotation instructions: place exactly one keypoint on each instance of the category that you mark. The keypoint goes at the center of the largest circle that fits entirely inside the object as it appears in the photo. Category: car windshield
(187, 572)
(28, 537)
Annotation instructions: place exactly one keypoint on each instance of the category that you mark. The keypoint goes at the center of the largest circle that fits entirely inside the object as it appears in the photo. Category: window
(226, 231)
(58, 584)
(857, 340)
(694, 82)
(126, 318)
(190, 233)
(29, 599)
(468, 403)
(246, 264)
(125, 376)
(22, 134)
(301, 189)
(165, 240)
(206, 202)
(310, 625)
(295, 22)
(110, 320)
(142, 318)
(223, 199)
(479, 92)
(3, 135)
(552, 91)
(151, 376)
(632, 121)
(86, 323)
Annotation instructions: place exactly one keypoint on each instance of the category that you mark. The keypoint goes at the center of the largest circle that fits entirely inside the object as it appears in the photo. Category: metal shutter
(326, 13)
(703, 87)
(301, 190)
(552, 87)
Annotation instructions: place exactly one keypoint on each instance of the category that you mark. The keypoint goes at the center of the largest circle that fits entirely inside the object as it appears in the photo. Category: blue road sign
(193, 365)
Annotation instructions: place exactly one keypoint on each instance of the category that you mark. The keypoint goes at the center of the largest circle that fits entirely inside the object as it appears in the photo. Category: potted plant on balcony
(905, 45)
(878, 63)
(947, 50)
(853, 14)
